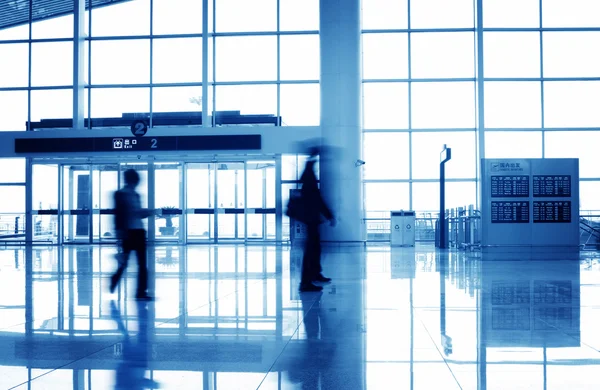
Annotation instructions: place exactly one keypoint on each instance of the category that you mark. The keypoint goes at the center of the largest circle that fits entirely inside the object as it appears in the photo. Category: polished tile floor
(230, 317)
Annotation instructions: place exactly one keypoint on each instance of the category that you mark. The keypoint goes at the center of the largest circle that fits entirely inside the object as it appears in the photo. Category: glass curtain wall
(147, 56)
(421, 67)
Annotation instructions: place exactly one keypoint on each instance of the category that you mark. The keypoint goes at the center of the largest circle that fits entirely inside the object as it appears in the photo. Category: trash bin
(402, 228)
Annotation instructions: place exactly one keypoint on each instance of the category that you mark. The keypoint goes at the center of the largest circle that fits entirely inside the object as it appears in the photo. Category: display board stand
(530, 203)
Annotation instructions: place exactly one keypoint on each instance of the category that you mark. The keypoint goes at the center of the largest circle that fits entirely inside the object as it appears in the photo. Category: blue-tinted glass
(14, 73)
(572, 13)
(14, 118)
(173, 99)
(426, 149)
(245, 16)
(575, 144)
(12, 199)
(513, 144)
(50, 104)
(443, 55)
(511, 54)
(299, 57)
(113, 102)
(386, 196)
(12, 170)
(511, 13)
(298, 15)
(252, 58)
(443, 105)
(377, 150)
(513, 104)
(571, 54)
(177, 16)
(121, 62)
(385, 105)
(385, 56)
(248, 99)
(177, 60)
(426, 197)
(300, 104)
(571, 104)
(61, 27)
(384, 14)
(441, 14)
(59, 55)
(127, 18)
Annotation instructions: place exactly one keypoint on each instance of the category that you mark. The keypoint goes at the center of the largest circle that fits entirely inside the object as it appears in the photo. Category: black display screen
(138, 144)
(552, 212)
(510, 212)
(552, 185)
(510, 186)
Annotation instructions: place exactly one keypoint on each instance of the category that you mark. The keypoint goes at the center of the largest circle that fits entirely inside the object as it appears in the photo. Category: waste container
(402, 228)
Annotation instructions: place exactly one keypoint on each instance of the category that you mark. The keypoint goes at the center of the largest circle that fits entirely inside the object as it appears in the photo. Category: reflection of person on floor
(316, 356)
(131, 233)
(314, 208)
(131, 372)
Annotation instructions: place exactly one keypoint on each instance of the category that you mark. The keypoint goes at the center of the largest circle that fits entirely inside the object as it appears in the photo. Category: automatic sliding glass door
(168, 198)
(77, 200)
(230, 201)
(200, 196)
(45, 202)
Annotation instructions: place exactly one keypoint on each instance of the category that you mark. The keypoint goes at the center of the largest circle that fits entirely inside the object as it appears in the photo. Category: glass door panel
(45, 202)
(200, 207)
(260, 192)
(230, 200)
(76, 203)
(105, 181)
(168, 179)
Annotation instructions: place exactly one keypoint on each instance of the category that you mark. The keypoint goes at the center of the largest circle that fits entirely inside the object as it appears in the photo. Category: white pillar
(341, 117)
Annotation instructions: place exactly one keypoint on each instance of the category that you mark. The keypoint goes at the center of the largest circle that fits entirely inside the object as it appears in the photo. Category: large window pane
(588, 195)
(12, 170)
(386, 196)
(443, 105)
(576, 144)
(300, 57)
(14, 33)
(384, 14)
(121, 62)
(426, 148)
(249, 99)
(461, 194)
(51, 104)
(15, 118)
(385, 105)
(385, 56)
(441, 13)
(443, 55)
(511, 54)
(246, 58)
(426, 197)
(52, 63)
(61, 27)
(571, 54)
(14, 72)
(113, 102)
(244, 16)
(300, 104)
(12, 199)
(177, 60)
(127, 18)
(511, 13)
(513, 104)
(176, 99)
(571, 104)
(572, 13)
(298, 15)
(386, 156)
(513, 144)
(177, 17)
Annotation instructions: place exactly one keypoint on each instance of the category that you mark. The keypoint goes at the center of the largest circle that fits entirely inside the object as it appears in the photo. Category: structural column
(78, 62)
(341, 117)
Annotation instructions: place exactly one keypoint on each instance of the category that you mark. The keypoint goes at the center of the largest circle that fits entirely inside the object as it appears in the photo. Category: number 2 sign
(139, 128)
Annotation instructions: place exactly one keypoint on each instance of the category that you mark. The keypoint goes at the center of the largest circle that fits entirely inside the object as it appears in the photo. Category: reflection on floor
(230, 317)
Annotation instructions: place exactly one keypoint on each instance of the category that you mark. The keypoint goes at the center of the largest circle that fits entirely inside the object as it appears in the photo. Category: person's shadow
(131, 371)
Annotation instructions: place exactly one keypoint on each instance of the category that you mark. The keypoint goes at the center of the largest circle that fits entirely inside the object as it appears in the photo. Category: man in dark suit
(131, 233)
(314, 208)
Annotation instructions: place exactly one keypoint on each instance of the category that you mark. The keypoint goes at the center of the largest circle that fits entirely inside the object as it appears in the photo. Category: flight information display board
(510, 212)
(552, 186)
(552, 212)
(510, 186)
